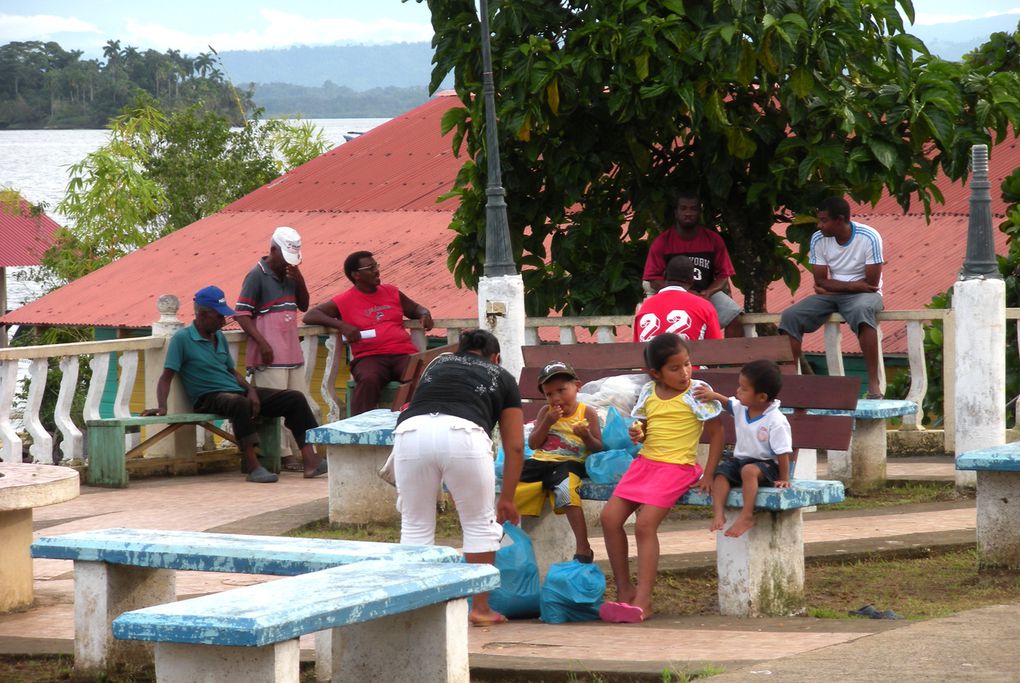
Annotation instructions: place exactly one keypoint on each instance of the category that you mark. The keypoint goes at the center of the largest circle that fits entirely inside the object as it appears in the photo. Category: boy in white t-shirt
(846, 263)
(764, 442)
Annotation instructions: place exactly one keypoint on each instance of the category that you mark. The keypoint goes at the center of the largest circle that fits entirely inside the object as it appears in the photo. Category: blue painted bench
(356, 448)
(998, 503)
(390, 622)
(862, 467)
(117, 570)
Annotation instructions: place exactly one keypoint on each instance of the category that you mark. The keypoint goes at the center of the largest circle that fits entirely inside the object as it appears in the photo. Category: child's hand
(581, 428)
(782, 484)
(553, 415)
(705, 484)
(636, 432)
(704, 394)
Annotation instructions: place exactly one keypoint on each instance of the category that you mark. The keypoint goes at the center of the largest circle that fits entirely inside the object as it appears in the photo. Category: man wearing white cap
(272, 294)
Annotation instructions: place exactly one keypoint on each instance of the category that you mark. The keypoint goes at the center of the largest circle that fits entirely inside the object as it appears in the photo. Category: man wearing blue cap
(199, 354)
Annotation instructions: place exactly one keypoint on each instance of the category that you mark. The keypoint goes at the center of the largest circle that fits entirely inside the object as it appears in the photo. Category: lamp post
(500, 289)
(979, 312)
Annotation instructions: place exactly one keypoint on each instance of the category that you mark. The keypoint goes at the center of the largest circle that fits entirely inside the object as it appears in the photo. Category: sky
(192, 26)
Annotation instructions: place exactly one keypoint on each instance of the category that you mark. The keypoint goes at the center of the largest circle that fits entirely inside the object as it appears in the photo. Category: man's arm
(247, 324)
(415, 311)
(252, 393)
(162, 393)
(327, 314)
(301, 295)
(872, 276)
(717, 286)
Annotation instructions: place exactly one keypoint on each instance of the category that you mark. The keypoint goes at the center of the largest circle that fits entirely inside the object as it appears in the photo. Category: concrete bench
(356, 448)
(116, 570)
(761, 573)
(108, 456)
(862, 467)
(390, 622)
(998, 503)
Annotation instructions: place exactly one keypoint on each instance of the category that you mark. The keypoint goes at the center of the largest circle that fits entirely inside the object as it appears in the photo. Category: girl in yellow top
(670, 426)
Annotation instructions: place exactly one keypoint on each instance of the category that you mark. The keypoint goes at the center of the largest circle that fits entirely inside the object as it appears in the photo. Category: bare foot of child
(739, 527)
(717, 523)
(487, 617)
(625, 595)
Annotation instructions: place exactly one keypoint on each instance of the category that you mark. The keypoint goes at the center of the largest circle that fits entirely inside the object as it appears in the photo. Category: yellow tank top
(561, 444)
(673, 430)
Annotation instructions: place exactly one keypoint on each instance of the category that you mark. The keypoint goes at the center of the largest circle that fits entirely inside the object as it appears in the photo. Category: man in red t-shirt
(675, 309)
(370, 315)
(707, 251)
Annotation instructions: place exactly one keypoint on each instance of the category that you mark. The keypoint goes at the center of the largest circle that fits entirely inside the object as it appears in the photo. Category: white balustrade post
(42, 443)
(71, 445)
(310, 352)
(334, 351)
(918, 374)
(9, 439)
(834, 348)
(181, 442)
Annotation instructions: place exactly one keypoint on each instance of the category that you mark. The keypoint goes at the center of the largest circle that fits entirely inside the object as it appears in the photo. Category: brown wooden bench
(595, 361)
(413, 372)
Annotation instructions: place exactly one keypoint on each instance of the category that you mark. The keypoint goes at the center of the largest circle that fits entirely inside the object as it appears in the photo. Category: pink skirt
(650, 482)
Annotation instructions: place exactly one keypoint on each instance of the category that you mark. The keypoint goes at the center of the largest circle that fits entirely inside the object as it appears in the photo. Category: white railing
(128, 353)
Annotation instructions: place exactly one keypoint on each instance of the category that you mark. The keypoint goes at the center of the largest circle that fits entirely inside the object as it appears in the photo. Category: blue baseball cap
(213, 297)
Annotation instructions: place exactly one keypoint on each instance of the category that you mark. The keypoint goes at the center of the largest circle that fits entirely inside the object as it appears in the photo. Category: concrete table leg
(356, 493)
(867, 455)
(102, 592)
(762, 572)
(187, 663)
(15, 560)
(998, 519)
(427, 644)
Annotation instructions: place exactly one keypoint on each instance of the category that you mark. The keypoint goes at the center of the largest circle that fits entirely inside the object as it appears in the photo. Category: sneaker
(260, 475)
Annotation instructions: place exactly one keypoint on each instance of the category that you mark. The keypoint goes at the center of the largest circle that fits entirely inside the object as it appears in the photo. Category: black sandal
(585, 559)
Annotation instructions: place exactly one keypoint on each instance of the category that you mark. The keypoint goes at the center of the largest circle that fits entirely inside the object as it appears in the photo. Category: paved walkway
(746, 649)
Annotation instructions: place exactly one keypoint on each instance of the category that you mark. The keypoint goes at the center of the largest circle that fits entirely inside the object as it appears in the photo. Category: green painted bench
(108, 455)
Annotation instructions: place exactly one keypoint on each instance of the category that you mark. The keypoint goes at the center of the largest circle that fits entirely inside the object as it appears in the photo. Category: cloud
(922, 19)
(282, 29)
(40, 26)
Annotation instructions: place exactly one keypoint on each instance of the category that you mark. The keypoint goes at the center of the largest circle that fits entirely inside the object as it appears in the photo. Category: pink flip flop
(621, 613)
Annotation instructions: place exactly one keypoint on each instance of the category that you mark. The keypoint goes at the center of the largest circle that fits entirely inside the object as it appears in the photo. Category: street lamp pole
(500, 289)
(498, 258)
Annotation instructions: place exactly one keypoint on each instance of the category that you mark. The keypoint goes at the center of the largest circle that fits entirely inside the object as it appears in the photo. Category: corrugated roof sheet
(24, 237)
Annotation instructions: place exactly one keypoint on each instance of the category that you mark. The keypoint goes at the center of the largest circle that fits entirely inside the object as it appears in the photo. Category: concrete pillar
(761, 573)
(426, 644)
(501, 311)
(357, 494)
(102, 592)
(187, 663)
(181, 442)
(979, 309)
(998, 519)
(15, 560)
(867, 455)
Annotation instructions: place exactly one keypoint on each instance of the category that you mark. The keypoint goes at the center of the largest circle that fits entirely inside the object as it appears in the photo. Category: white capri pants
(430, 450)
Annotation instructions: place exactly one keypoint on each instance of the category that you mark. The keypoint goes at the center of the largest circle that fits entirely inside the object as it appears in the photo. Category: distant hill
(358, 67)
(331, 101)
(952, 41)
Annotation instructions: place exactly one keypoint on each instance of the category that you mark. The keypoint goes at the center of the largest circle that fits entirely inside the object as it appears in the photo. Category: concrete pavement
(793, 649)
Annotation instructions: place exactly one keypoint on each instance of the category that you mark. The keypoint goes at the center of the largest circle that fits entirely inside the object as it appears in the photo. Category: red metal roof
(24, 237)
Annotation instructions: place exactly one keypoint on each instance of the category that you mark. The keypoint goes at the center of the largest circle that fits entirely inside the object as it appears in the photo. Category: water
(36, 163)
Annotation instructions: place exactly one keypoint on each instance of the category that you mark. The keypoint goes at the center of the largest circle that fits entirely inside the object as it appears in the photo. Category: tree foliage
(160, 172)
(41, 84)
(606, 110)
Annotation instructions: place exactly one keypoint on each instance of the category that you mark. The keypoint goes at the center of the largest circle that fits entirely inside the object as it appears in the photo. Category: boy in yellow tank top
(566, 432)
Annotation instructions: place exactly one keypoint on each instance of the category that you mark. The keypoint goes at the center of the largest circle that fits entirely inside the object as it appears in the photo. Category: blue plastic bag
(518, 594)
(616, 435)
(608, 467)
(572, 591)
(501, 457)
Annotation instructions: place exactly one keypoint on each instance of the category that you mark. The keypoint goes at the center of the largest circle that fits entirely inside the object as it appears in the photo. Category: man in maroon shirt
(707, 251)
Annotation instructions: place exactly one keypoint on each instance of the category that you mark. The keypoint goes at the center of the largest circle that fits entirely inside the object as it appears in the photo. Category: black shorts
(730, 468)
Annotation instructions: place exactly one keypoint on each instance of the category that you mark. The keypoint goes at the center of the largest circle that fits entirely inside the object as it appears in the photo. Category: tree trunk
(750, 246)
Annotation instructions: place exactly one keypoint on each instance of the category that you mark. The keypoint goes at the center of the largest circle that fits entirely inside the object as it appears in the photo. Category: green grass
(902, 493)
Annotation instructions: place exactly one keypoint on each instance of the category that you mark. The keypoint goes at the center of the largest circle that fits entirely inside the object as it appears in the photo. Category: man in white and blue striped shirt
(846, 262)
